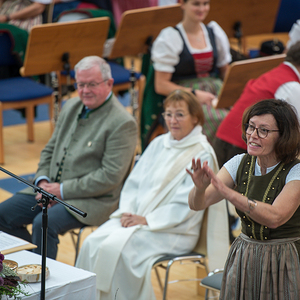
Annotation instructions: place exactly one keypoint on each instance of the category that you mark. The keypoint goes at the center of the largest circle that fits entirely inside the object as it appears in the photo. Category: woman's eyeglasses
(178, 116)
(261, 132)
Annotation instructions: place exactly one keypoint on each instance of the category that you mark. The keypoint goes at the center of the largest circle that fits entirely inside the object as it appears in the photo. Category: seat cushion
(21, 89)
(120, 74)
(172, 256)
(214, 281)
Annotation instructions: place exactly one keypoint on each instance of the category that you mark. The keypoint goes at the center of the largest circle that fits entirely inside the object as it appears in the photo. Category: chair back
(240, 72)
(214, 235)
(201, 246)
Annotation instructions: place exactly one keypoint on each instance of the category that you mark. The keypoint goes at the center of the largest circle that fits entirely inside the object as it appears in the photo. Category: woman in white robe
(153, 218)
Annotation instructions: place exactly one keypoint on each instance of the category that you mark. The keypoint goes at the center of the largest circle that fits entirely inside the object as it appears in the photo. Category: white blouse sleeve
(294, 174)
(166, 50)
(233, 164)
(222, 44)
(290, 92)
(294, 34)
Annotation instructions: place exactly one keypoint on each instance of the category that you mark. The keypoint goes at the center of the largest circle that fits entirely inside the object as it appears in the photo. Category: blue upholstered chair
(19, 92)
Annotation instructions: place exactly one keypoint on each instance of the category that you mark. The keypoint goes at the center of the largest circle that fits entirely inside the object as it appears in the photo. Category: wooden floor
(22, 158)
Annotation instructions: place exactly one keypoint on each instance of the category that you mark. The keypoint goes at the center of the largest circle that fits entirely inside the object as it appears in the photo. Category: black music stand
(137, 30)
(56, 47)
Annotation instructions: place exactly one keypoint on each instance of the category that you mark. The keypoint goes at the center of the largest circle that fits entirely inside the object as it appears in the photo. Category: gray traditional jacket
(91, 157)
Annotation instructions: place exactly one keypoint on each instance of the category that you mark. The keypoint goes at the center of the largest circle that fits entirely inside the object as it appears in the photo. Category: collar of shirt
(293, 68)
(86, 111)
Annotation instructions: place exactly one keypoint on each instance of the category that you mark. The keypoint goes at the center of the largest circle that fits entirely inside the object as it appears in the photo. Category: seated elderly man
(84, 163)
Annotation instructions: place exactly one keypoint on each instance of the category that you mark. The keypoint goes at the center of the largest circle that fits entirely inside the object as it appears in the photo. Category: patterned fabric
(213, 117)
(11, 6)
(261, 270)
(203, 63)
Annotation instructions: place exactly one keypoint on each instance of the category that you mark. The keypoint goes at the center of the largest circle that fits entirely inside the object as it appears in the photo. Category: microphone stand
(46, 197)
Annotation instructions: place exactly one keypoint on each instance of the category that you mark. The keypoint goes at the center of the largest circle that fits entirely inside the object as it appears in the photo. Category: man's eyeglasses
(261, 132)
(89, 85)
(178, 116)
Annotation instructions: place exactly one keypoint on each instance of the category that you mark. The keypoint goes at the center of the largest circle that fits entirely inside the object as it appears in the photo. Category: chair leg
(158, 279)
(206, 294)
(51, 114)
(78, 243)
(30, 119)
(167, 279)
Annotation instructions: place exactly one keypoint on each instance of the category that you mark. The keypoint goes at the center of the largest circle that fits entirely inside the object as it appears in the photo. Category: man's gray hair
(91, 61)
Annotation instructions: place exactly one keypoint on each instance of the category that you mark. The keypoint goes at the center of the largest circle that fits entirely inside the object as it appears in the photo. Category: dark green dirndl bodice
(265, 188)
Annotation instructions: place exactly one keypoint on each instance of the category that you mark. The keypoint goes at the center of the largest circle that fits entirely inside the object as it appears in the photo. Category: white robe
(158, 189)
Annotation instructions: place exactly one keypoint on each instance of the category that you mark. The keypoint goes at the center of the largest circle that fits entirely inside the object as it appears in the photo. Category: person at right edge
(282, 82)
(263, 185)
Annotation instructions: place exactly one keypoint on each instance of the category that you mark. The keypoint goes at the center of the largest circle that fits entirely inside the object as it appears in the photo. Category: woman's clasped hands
(128, 220)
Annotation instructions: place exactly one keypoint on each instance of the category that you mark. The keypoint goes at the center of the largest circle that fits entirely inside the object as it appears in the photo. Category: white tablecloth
(65, 282)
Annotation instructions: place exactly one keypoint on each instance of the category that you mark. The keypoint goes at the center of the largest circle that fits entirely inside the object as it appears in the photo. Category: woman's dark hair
(190, 99)
(287, 148)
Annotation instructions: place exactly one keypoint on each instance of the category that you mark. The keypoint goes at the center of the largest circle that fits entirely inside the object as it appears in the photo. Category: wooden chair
(19, 92)
(76, 238)
(240, 73)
